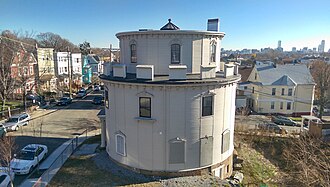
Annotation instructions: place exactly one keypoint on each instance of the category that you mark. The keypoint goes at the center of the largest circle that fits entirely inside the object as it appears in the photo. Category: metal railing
(46, 177)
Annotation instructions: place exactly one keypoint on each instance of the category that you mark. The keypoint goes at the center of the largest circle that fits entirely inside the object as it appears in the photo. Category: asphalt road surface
(56, 125)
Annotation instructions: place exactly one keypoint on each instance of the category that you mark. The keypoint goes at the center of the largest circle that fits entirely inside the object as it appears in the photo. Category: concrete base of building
(223, 170)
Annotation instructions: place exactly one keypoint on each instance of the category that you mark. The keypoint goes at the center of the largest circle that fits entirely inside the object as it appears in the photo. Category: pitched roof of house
(245, 73)
(289, 74)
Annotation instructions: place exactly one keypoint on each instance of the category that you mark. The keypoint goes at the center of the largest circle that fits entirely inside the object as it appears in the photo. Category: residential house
(67, 63)
(46, 68)
(170, 110)
(86, 71)
(95, 63)
(280, 89)
(23, 70)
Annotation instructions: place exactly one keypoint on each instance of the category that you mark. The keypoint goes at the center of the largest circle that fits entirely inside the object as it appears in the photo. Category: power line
(274, 96)
(18, 41)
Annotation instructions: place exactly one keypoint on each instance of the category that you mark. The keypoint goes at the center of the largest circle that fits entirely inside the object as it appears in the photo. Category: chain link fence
(48, 174)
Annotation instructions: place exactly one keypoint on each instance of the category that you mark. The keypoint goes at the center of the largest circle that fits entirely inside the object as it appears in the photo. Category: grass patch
(259, 167)
(81, 171)
(94, 139)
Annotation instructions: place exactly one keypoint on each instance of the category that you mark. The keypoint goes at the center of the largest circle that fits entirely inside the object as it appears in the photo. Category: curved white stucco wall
(176, 111)
(154, 48)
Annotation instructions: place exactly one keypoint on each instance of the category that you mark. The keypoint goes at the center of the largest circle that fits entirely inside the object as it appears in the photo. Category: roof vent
(170, 26)
(145, 72)
(177, 72)
(119, 70)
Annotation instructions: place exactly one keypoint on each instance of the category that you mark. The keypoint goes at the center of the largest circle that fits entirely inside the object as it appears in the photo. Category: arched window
(175, 53)
(120, 144)
(213, 51)
(133, 53)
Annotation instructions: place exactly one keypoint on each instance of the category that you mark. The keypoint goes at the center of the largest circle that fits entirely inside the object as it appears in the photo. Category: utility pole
(110, 52)
(70, 72)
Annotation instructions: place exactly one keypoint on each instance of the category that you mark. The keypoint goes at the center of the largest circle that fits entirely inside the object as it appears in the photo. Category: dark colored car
(282, 120)
(272, 127)
(64, 101)
(97, 100)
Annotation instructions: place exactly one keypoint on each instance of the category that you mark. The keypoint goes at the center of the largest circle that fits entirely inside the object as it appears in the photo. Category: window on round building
(175, 53)
(133, 53)
(207, 105)
(213, 51)
(145, 107)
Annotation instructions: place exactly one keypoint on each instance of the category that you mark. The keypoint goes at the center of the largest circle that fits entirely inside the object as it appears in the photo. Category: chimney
(213, 25)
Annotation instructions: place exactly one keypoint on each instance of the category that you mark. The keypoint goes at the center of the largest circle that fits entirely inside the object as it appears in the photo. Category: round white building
(170, 105)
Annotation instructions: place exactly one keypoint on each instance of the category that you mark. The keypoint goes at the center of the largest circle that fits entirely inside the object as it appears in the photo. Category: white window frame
(124, 144)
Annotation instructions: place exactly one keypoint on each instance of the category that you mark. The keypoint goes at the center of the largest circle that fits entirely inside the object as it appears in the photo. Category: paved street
(63, 121)
(54, 126)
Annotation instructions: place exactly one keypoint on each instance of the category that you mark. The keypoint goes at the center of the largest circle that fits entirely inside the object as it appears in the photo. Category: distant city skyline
(252, 24)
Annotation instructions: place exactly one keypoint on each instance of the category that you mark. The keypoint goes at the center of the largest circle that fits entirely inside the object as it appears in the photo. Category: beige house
(46, 68)
(280, 89)
(170, 108)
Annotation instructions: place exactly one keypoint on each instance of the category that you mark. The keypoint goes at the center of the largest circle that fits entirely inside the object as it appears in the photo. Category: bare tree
(7, 149)
(321, 73)
(55, 41)
(308, 161)
(8, 49)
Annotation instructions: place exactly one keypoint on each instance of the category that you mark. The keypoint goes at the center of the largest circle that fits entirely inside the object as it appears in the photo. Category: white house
(169, 109)
(63, 66)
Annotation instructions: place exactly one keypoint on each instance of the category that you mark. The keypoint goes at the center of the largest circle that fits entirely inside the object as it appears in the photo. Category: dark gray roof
(170, 26)
(288, 74)
(164, 79)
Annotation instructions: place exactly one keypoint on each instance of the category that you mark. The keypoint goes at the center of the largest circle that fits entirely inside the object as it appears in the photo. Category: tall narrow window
(120, 144)
(273, 91)
(207, 104)
(288, 105)
(225, 141)
(272, 105)
(213, 52)
(290, 92)
(106, 98)
(283, 91)
(255, 76)
(252, 89)
(281, 105)
(175, 53)
(133, 53)
(145, 107)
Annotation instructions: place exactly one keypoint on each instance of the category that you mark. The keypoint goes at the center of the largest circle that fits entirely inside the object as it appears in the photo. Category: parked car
(97, 100)
(3, 131)
(81, 94)
(96, 88)
(5, 177)
(272, 127)
(28, 158)
(64, 101)
(282, 120)
(15, 122)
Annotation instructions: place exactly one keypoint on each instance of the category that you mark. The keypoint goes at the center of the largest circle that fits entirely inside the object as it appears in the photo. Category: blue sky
(247, 23)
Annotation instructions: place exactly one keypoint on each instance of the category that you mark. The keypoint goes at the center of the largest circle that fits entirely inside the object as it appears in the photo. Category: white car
(5, 177)
(15, 122)
(28, 158)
